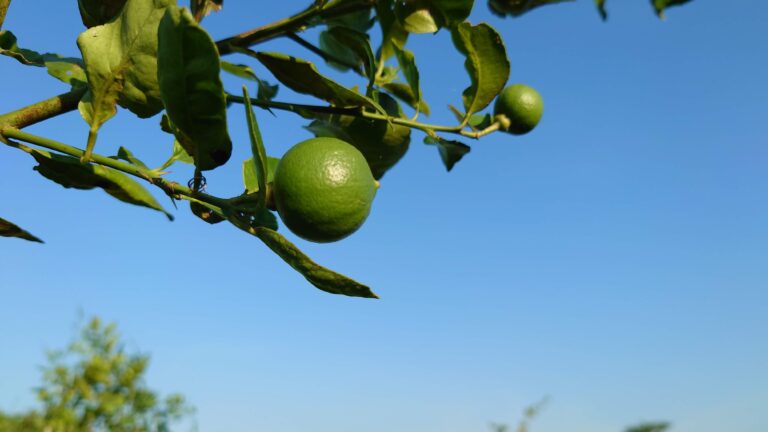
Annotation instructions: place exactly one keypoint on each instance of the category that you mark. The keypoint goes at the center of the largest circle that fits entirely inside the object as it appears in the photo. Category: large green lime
(522, 106)
(382, 143)
(323, 189)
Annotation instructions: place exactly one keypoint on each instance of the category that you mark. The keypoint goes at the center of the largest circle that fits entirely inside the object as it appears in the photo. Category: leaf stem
(43, 110)
(292, 24)
(171, 188)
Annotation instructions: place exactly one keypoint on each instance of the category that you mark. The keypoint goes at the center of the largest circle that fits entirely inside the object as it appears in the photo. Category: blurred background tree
(94, 385)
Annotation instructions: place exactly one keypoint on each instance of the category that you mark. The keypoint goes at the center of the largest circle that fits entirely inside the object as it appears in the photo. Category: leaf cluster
(95, 385)
(154, 56)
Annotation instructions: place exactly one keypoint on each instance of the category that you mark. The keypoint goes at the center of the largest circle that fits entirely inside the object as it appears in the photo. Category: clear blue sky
(614, 259)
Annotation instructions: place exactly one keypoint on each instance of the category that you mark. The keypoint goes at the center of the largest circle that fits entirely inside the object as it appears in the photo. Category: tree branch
(292, 24)
(43, 110)
(300, 109)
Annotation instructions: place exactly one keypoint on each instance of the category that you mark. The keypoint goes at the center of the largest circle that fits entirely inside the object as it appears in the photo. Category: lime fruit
(323, 189)
(382, 143)
(522, 106)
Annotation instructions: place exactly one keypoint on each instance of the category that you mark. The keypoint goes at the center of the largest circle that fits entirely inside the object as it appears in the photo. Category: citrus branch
(173, 189)
(430, 129)
(298, 22)
(43, 110)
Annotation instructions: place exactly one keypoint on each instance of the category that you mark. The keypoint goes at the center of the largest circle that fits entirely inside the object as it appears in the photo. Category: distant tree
(534, 410)
(29, 422)
(649, 427)
(95, 386)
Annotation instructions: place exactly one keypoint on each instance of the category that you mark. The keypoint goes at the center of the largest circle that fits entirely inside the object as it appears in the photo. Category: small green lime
(323, 189)
(522, 106)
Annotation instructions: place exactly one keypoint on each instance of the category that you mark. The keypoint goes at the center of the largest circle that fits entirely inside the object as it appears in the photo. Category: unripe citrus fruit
(522, 106)
(382, 143)
(323, 189)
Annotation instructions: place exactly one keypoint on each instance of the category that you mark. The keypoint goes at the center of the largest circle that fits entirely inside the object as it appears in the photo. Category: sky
(613, 260)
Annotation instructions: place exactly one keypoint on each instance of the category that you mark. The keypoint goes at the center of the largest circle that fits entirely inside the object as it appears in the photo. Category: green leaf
(601, 9)
(251, 176)
(70, 173)
(191, 88)
(450, 13)
(301, 76)
(450, 151)
(387, 75)
(416, 17)
(392, 30)
(266, 91)
(319, 276)
(480, 121)
(428, 16)
(660, 5)
(338, 55)
(67, 69)
(359, 44)
(360, 20)
(178, 155)
(411, 73)
(486, 62)
(263, 219)
(126, 155)
(97, 12)
(10, 48)
(121, 63)
(404, 92)
(9, 229)
(205, 213)
(382, 143)
(516, 8)
(3, 10)
(201, 8)
(352, 46)
(257, 149)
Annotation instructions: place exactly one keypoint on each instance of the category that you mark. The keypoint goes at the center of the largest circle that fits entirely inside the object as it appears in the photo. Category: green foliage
(486, 63)
(98, 12)
(516, 8)
(70, 173)
(303, 77)
(649, 427)
(94, 385)
(68, 70)
(191, 90)
(9, 229)
(150, 56)
(383, 144)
